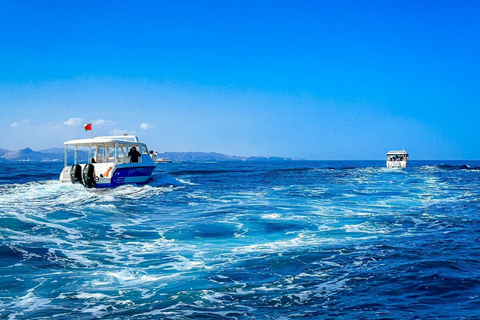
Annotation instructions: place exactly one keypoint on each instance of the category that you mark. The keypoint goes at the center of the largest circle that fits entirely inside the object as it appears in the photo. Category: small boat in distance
(114, 161)
(397, 159)
(163, 160)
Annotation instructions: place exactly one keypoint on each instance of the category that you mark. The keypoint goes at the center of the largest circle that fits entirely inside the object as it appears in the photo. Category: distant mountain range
(212, 156)
(58, 154)
(52, 154)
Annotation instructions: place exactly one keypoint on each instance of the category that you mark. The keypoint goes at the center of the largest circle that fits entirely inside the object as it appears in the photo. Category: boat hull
(396, 164)
(121, 176)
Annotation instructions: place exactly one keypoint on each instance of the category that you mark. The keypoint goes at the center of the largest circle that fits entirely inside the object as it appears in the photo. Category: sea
(244, 240)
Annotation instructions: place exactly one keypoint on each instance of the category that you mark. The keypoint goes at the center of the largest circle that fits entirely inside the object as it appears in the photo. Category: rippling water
(286, 240)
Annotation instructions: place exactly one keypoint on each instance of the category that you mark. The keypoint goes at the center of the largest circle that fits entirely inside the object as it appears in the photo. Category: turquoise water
(239, 240)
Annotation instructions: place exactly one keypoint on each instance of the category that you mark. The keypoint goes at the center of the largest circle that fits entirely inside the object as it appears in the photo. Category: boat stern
(397, 159)
(65, 174)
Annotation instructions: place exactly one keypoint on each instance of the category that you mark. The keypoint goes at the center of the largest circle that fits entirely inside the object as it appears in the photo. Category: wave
(308, 169)
(348, 240)
(456, 167)
(203, 172)
(166, 179)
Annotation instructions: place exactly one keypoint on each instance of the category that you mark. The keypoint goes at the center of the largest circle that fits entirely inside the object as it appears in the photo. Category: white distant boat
(114, 161)
(163, 160)
(397, 159)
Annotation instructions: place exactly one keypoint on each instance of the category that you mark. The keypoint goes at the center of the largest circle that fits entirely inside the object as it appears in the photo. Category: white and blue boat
(113, 161)
(397, 159)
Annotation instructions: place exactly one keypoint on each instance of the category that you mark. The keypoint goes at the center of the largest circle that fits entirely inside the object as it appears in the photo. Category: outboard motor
(89, 175)
(76, 174)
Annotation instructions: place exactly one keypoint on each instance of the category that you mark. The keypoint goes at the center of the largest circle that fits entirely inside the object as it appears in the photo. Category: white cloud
(145, 126)
(73, 122)
(101, 122)
(18, 124)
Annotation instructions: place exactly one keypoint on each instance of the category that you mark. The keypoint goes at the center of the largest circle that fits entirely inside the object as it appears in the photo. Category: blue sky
(301, 79)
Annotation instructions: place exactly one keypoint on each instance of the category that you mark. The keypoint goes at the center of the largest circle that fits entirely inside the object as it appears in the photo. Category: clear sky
(303, 79)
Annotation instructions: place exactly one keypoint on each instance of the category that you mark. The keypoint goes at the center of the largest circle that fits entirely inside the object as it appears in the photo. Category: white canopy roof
(395, 152)
(103, 140)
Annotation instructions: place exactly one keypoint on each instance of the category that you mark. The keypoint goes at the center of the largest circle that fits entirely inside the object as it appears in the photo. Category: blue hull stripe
(121, 176)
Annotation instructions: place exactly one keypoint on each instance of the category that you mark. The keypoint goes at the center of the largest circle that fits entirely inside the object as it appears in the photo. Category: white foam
(183, 264)
(28, 303)
(94, 296)
(301, 240)
(97, 311)
(364, 228)
(271, 216)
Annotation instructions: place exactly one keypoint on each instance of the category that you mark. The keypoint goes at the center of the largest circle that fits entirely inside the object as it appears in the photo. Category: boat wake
(457, 167)
(318, 240)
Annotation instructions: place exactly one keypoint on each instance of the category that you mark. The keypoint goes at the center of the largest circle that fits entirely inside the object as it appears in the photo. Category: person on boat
(133, 154)
(153, 156)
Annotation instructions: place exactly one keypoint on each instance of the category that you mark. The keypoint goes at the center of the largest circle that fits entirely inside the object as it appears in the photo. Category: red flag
(88, 127)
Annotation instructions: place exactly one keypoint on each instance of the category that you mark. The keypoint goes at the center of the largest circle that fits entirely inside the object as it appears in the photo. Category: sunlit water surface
(244, 240)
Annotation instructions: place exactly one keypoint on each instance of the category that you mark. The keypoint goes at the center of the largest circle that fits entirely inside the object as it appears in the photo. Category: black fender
(76, 174)
(89, 175)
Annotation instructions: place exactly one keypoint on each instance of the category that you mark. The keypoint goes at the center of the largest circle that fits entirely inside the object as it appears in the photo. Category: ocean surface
(244, 240)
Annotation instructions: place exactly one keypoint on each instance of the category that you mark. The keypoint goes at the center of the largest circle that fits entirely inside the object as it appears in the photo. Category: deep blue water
(286, 240)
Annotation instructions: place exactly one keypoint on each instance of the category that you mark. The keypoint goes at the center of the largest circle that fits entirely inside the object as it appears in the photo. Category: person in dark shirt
(133, 154)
